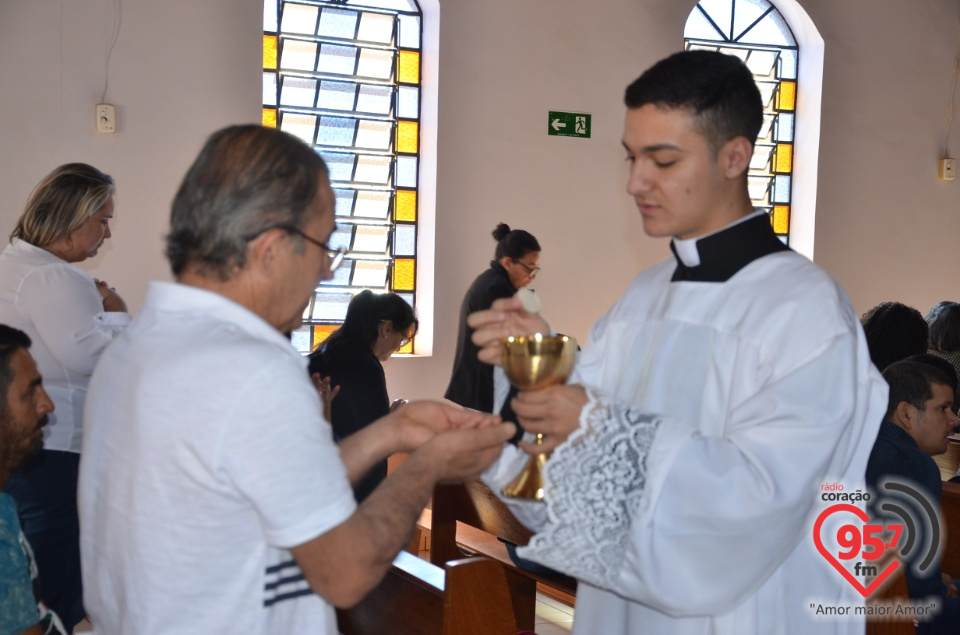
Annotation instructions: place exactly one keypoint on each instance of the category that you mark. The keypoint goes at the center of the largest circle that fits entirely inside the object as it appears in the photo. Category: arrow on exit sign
(568, 124)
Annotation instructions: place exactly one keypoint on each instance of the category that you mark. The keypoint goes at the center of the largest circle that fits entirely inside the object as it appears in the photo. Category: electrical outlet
(948, 169)
(106, 118)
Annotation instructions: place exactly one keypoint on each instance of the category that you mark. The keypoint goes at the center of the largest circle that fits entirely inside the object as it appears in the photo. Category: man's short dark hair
(246, 180)
(11, 341)
(912, 382)
(718, 89)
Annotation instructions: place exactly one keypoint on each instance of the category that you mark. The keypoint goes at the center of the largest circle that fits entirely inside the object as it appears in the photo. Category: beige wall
(182, 68)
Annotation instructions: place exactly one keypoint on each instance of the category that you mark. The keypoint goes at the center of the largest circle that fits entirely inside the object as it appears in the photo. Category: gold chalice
(532, 362)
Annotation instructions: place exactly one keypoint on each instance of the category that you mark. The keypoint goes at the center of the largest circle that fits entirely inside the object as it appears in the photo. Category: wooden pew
(950, 517)
(483, 518)
(949, 461)
(894, 590)
(468, 597)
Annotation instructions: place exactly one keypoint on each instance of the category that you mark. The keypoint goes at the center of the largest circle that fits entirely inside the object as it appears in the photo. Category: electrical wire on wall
(953, 91)
(113, 41)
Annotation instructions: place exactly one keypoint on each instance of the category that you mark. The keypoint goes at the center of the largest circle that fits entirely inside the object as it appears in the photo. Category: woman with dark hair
(894, 331)
(376, 327)
(70, 317)
(944, 321)
(515, 265)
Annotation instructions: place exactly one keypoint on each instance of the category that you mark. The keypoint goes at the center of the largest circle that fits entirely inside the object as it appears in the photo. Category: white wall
(183, 68)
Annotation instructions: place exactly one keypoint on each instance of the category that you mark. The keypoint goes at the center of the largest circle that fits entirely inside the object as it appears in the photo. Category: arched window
(757, 33)
(345, 76)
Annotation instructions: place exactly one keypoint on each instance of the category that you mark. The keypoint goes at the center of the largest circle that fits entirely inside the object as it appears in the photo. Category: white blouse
(59, 307)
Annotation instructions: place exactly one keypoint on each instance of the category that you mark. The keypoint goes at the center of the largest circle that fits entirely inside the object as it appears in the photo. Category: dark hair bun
(501, 232)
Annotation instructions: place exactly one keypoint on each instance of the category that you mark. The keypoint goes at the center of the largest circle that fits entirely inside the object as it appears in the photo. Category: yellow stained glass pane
(781, 219)
(408, 133)
(784, 162)
(409, 71)
(270, 117)
(407, 349)
(403, 274)
(405, 206)
(269, 51)
(321, 332)
(787, 96)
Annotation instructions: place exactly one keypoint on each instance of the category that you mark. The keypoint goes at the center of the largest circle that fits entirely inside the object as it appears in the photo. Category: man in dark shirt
(918, 420)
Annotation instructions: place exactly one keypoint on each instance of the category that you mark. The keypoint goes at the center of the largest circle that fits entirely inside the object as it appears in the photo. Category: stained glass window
(754, 31)
(344, 76)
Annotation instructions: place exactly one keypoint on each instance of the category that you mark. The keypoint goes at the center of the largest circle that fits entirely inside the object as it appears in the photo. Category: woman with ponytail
(515, 265)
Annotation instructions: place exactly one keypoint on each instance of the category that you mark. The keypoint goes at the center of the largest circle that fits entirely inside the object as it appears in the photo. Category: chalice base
(529, 483)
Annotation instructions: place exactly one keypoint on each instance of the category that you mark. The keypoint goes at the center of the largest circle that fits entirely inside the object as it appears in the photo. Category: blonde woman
(70, 317)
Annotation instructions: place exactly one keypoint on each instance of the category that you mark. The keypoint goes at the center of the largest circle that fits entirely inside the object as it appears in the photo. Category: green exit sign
(568, 124)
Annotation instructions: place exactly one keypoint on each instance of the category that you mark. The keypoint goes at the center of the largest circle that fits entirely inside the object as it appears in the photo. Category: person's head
(519, 253)
(921, 402)
(256, 198)
(943, 366)
(894, 332)
(944, 322)
(691, 124)
(382, 321)
(24, 404)
(69, 212)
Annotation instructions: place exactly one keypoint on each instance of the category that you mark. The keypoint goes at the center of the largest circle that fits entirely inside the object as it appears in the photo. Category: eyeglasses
(531, 271)
(336, 256)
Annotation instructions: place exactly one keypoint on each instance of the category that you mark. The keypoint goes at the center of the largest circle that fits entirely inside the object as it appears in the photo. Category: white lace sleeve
(594, 483)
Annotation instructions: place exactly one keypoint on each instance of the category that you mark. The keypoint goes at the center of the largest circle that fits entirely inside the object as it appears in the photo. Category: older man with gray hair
(212, 496)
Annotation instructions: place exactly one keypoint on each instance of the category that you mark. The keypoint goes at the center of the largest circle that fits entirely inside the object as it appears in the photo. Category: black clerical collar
(722, 254)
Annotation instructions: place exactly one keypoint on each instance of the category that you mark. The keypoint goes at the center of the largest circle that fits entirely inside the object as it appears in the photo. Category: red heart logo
(864, 591)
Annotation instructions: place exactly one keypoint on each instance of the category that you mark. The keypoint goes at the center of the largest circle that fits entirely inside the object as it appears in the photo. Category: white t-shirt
(206, 457)
(59, 307)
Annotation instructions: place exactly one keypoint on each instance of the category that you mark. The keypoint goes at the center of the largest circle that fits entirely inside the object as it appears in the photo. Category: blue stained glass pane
(339, 165)
(270, 16)
(772, 30)
(405, 240)
(331, 306)
(396, 5)
(269, 88)
(298, 18)
(720, 11)
(781, 189)
(341, 60)
(338, 23)
(788, 64)
(408, 102)
(407, 171)
(344, 202)
(376, 27)
(301, 339)
(699, 28)
(410, 31)
(408, 297)
(375, 99)
(298, 91)
(341, 277)
(341, 237)
(336, 131)
(785, 127)
(747, 12)
(337, 95)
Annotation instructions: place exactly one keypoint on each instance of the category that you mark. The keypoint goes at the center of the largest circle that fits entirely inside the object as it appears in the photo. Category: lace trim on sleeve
(594, 483)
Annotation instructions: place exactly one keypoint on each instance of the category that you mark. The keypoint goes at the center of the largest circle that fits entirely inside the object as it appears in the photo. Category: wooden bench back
(950, 517)
(471, 504)
(467, 597)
